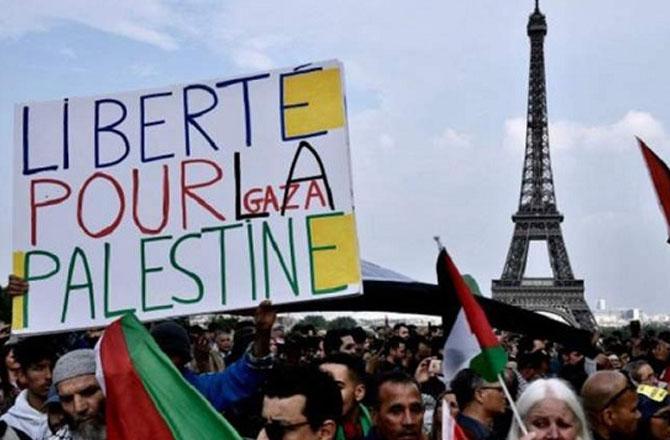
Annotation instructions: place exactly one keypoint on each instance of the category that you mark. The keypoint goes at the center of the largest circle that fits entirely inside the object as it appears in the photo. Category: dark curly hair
(323, 400)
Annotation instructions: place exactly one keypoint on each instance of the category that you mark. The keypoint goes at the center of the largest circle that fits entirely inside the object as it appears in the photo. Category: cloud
(144, 70)
(255, 52)
(386, 140)
(570, 135)
(515, 134)
(148, 21)
(254, 59)
(67, 52)
(451, 138)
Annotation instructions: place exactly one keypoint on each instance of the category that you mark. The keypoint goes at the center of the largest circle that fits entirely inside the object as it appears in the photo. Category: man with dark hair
(418, 349)
(480, 402)
(238, 381)
(401, 330)
(361, 340)
(397, 409)
(531, 366)
(27, 415)
(349, 373)
(339, 340)
(658, 356)
(300, 403)
(396, 348)
(422, 348)
(573, 369)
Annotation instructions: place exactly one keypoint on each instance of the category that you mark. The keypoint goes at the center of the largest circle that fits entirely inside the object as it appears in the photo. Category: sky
(436, 95)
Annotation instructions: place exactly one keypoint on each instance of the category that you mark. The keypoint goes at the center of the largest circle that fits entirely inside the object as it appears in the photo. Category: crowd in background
(382, 383)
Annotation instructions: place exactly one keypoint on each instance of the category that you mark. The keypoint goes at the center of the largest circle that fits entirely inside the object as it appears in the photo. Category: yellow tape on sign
(654, 393)
(334, 252)
(313, 102)
(18, 302)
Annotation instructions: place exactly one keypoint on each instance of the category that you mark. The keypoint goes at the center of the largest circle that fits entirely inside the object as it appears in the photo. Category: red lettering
(48, 202)
(292, 189)
(314, 190)
(187, 189)
(166, 202)
(80, 206)
(252, 205)
(270, 199)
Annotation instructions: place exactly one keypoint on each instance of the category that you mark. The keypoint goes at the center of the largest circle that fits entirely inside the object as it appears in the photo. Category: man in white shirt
(28, 415)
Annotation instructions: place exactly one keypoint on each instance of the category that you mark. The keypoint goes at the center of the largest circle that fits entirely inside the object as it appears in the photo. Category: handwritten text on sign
(189, 199)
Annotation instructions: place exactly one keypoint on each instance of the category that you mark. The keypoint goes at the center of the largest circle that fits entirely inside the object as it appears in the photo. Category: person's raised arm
(264, 318)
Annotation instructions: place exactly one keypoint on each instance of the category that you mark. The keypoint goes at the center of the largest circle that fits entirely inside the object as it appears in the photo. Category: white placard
(204, 197)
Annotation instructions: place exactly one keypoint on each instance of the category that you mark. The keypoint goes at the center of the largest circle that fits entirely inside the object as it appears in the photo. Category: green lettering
(222, 254)
(291, 277)
(252, 259)
(180, 268)
(144, 270)
(30, 277)
(88, 285)
(111, 313)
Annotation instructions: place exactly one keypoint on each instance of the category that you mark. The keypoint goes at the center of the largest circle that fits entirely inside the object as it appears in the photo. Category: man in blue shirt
(238, 381)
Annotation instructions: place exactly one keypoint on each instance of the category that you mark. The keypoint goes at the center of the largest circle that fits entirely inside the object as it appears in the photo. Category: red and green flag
(471, 341)
(146, 396)
(660, 177)
(450, 429)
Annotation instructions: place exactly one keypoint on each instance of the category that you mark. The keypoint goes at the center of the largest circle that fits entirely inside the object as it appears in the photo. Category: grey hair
(464, 385)
(633, 370)
(546, 388)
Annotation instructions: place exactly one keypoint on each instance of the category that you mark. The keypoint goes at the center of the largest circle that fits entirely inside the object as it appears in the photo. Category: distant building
(622, 317)
(632, 314)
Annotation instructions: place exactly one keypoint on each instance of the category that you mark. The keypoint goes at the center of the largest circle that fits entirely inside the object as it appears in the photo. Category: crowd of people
(384, 383)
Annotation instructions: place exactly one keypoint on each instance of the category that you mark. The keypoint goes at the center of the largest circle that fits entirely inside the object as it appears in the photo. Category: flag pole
(517, 417)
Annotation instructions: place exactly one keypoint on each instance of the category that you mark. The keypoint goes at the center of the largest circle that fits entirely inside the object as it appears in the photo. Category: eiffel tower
(538, 218)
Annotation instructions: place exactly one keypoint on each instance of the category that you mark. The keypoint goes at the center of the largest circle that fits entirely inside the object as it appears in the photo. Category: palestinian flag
(147, 397)
(660, 176)
(450, 429)
(471, 341)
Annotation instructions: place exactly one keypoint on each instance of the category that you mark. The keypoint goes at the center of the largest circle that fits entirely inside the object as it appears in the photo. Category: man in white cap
(80, 394)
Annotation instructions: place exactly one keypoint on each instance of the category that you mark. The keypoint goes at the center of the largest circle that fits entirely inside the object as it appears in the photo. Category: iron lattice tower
(538, 218)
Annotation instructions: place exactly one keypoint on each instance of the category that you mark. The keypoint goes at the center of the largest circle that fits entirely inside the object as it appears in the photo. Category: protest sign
(209, 196)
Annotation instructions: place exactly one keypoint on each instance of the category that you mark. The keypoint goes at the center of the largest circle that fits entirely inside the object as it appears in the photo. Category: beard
(90, 429)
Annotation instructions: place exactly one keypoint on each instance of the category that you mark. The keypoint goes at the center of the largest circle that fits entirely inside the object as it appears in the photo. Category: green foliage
(225, 321)
(624, 331)
(318, 321)
(342, 322)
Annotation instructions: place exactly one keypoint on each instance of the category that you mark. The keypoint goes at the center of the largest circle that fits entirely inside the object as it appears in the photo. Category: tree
(342, 322)
(225, 322)
(318, 321)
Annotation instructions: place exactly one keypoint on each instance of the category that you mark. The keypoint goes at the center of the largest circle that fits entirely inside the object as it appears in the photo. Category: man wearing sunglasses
(610, 401)
(481, 402)
(300, 403)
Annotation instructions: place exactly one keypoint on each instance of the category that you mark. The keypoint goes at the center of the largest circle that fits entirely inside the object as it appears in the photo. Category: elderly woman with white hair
(550, 410)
